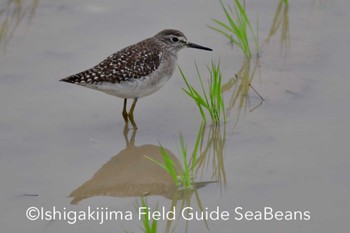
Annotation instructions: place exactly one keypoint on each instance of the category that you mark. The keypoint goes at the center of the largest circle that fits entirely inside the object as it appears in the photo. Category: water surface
(58, 139)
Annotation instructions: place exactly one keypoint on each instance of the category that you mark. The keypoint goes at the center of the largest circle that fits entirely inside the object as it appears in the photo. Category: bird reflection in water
(130, 174)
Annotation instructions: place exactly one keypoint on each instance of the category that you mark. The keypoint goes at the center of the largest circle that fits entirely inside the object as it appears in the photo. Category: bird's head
(175, 40)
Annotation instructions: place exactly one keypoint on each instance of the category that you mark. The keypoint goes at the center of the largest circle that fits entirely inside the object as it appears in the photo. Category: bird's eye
(174, 39)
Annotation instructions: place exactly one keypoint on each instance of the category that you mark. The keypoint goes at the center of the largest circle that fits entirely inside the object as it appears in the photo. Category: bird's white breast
(140, 87)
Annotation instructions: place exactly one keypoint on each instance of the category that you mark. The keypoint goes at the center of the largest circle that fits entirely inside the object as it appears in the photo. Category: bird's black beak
(195, 46)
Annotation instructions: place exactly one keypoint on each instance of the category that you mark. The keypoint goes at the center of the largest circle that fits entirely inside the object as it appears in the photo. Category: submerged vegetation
(285, 2)
(212, 151)
(12, 13)
(211, 98)
(281, 20)
(241, 86)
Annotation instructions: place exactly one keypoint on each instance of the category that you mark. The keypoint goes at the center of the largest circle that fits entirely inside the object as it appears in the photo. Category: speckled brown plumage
(129, 63)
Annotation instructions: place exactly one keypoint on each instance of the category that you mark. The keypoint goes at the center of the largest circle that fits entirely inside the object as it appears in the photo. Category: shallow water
(58, 139)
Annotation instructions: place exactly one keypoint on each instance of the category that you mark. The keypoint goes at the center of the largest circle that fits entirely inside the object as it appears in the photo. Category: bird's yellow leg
(131, 114)
(125, 113)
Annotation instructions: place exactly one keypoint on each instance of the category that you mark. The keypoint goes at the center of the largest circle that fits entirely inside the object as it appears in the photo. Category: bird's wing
(132, 62)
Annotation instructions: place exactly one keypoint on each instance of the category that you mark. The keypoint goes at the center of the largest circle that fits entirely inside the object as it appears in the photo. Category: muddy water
(63, 147)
